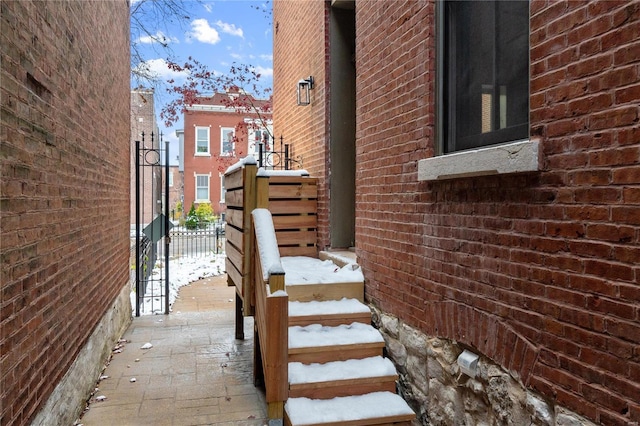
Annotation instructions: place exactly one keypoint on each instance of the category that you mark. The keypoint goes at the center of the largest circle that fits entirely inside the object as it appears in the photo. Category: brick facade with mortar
(143, 121)
(537, 271)
(216, 114)
(64, 199)
(299, 49)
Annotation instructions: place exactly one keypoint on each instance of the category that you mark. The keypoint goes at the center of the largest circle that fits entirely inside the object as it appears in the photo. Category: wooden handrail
(253, 260)
(271, 314)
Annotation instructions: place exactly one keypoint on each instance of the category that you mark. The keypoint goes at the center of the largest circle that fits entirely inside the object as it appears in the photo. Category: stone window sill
(515, 157)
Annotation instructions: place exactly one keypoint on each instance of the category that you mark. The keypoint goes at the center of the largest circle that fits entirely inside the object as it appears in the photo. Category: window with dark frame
(484, 93)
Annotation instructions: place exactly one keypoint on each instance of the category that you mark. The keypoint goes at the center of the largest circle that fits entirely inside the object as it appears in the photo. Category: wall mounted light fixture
(304, 85)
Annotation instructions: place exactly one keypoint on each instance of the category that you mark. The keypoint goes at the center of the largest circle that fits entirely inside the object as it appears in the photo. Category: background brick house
(176, 185)
(534, 267)
(64, 203)
(216, 135)
(143, 121)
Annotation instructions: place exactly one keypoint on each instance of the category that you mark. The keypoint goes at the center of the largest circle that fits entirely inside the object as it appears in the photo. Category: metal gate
(152, 226)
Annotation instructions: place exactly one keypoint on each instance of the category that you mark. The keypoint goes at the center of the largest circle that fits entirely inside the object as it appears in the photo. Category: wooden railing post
(262, 192)
(249, 203)
(276, 368)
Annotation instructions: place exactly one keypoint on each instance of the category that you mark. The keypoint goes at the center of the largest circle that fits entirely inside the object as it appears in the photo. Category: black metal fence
(277, 158)
(196, 242)
(148, 254)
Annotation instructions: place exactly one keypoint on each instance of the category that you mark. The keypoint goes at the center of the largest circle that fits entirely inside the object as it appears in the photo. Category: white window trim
(203, 154)
(514, 157)
(233, 146)
(200, 200)
(223, 191)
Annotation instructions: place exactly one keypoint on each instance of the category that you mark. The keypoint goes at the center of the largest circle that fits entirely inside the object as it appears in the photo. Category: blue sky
(217, 33)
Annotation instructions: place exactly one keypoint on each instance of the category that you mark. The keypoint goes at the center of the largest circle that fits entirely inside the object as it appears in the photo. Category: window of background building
(223, 190)
(202, 141)
(226, 141)
(261, 136)
(202, 188)
(484, 73)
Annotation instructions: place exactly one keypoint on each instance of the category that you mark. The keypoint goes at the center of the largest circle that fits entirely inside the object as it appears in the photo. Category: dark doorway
(343, 124)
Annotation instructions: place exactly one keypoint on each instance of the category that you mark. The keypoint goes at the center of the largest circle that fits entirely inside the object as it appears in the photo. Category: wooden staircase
(315, 350)
(337, 374)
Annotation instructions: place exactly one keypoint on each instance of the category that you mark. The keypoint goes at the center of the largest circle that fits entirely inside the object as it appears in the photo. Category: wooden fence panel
(295, 222)
(302, 206)
(235, 218)
(234, 179)
(235, 237)
(234, 198)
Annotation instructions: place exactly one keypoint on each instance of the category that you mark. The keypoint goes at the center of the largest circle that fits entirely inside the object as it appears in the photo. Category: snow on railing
(267, 243)
(240, 164)
(272, 313)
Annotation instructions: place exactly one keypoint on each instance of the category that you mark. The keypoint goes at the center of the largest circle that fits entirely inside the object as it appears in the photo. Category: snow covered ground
(182, 271)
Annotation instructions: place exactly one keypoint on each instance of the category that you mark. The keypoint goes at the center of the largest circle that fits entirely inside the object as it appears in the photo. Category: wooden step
(308, 279)
(374, 408)
(306, 292)
(341, 378)
(320, 344)
(329, 313)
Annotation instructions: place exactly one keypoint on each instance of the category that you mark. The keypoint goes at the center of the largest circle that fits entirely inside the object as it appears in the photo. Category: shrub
(205, 212)
(192, 220)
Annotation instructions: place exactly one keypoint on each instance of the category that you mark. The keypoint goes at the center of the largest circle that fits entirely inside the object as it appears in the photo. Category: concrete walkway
(196, 373)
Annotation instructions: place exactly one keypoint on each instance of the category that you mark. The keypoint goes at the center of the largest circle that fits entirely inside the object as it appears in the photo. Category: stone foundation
(432, 383)
(68, 398)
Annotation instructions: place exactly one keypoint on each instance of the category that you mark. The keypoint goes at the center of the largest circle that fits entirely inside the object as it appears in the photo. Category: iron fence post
(138, 280)
(167, 239)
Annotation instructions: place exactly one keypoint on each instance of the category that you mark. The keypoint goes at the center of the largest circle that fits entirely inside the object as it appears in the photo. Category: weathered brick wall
(300, 50)
(143, 121)
(64, 188)
(175, 191)
(539, 272)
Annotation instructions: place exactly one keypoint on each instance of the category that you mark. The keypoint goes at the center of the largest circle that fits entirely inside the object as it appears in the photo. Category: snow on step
(316, 335)
(382, 405)
(328, 307)
(340, 370)
(300, 270)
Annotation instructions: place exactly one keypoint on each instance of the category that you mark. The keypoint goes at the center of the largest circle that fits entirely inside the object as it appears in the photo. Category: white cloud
(264, 72)
(201, 31)
(230, 29)
(266, 57)
(236, 56)
(158, 37)
(158, 68)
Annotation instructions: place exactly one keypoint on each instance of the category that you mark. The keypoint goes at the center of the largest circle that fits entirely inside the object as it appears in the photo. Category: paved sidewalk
(196, 373)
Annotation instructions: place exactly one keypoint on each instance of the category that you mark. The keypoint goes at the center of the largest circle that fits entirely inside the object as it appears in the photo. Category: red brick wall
(143, 120)
(175, 191)
(537, 271)
(301, 38)
(64, 187)
(540, 271)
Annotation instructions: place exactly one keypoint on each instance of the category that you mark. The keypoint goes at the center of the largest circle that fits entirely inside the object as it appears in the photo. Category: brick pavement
(196, 373)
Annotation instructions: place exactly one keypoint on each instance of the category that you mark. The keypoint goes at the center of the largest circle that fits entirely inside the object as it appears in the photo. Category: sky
(216, 33)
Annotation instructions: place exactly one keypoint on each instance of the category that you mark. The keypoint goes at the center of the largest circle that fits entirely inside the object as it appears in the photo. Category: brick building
(217, 132)
(64, 203)
(143, 126)
(176, 187)
(497, 210)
